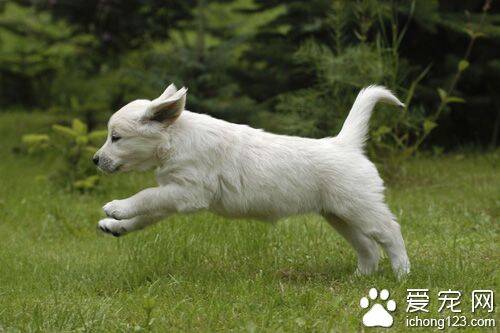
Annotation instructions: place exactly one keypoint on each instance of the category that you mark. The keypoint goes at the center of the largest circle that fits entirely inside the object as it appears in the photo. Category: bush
(75, 146)
(342, 66)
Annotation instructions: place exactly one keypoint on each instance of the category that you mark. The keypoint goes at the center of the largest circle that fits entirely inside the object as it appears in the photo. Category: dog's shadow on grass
(316, 274)
(137, 276)
(342, 272)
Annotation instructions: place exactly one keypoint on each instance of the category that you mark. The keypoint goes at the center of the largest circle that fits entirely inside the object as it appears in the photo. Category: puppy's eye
(115, 138)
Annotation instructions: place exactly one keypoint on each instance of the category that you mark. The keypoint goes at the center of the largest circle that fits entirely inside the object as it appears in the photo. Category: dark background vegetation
(287, 66)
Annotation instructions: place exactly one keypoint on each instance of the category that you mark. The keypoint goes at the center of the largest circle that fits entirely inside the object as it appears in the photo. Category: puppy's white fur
(239, 171)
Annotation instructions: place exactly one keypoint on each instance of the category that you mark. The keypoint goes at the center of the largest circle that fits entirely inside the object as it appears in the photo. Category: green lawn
(206, 273)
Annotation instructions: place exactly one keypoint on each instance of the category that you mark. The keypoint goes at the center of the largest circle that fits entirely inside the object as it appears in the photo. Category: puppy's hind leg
(366, 248)
(390, 238)
(377, 222)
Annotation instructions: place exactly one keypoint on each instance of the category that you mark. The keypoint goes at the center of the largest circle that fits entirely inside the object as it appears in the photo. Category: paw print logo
(378, 314)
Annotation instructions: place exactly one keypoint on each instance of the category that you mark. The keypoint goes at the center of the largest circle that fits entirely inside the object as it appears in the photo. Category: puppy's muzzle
(105, 164)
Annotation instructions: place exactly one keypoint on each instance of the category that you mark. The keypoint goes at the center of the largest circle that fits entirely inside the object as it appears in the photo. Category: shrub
(343, 66)
(75, 146)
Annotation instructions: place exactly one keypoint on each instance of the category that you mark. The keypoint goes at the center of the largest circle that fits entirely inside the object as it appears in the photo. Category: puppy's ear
(171, 89)
(167, 109)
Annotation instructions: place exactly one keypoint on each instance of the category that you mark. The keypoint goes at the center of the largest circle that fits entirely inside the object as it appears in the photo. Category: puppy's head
(137, 132)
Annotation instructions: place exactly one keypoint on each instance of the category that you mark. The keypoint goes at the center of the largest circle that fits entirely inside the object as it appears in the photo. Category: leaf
(478, 34)
(35, 139)
(148, 303)
(381, 131)
(469, 32)
(87, 183)
(65, 131)
(360, 36)
(454, 99)
(79, 126)
(98, 136)
(429, 125)
(82, 140)
(442, 95)
(462, 65)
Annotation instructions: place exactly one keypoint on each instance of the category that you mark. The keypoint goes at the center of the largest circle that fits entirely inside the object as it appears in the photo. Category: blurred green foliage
(292, 67)
(74, 145)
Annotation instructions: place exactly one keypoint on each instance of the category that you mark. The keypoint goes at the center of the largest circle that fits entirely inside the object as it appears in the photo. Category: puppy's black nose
(95, 159)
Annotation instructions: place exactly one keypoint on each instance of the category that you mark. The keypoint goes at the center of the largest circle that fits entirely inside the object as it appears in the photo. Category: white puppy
(239, 171)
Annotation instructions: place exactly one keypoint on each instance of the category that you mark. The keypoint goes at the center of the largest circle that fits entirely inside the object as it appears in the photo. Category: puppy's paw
(117, 209)
(112, 227)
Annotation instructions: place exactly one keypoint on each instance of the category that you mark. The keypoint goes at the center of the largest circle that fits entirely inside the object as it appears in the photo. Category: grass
(205, 273)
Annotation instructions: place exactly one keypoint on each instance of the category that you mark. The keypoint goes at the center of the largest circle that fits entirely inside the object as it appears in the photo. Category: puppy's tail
(355, 128)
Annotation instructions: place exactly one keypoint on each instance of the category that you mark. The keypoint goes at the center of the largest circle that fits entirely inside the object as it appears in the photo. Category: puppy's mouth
(107, 169)
(116, 168)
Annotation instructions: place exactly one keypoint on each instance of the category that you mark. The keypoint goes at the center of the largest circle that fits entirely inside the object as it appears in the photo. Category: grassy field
(205, 273)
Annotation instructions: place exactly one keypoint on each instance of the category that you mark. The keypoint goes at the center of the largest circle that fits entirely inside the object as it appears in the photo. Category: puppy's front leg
(158, 200)
(120, 227)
